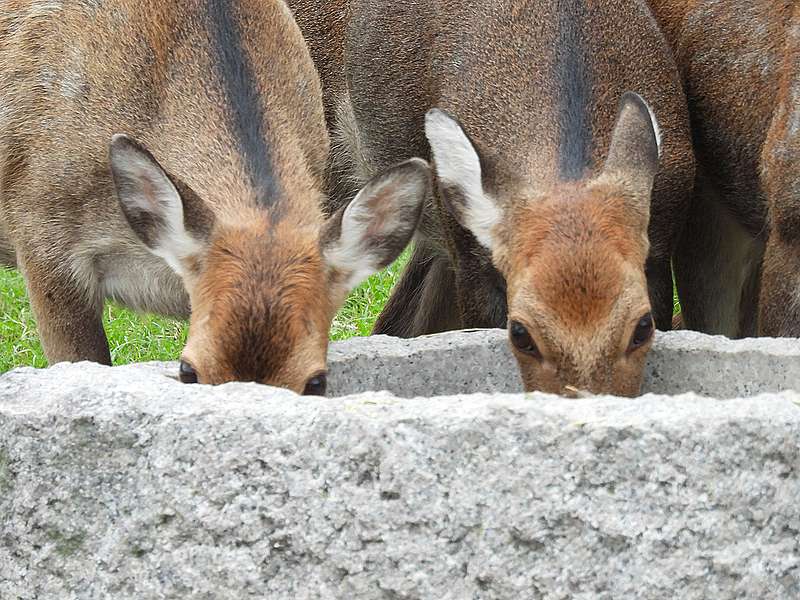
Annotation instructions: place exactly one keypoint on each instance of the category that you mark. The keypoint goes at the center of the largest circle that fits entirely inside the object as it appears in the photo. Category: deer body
(740, 63)
(540, 216)
(171, 156)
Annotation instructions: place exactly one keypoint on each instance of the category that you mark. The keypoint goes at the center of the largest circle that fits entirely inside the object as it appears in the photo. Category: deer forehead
(277, 342)
(578, 293)
(271, 262)
(580, 350)
(590, 220)
(243, 350)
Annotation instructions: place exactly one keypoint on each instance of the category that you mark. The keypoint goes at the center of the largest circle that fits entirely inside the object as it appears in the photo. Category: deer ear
(377, 225)
(635, 148)
(173, 225)
(458, 170)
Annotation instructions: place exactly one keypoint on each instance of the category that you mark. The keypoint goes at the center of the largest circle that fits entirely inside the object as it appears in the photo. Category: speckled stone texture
(467, 362)
(122, 483)
(481, 361)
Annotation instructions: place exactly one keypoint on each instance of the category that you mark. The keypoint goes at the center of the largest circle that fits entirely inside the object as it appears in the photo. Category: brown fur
(597, 234)
(740, 62)
(491, 65)
(324, 31)
(75, 72)
(251, 295)
(583, 237)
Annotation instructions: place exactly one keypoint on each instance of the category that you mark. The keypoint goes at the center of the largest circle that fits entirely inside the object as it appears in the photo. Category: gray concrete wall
(123, 483)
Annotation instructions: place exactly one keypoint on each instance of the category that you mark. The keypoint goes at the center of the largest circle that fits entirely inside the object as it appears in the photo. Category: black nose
(186, 373)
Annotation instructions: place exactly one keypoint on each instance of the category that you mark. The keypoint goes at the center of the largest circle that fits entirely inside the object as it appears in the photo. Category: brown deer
(560, 138)
(172, 154)
(738, 266)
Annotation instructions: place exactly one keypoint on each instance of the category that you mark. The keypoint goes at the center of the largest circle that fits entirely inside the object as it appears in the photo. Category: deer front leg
(659, 283)
(481, 296)
(423, 302)
(779, 306)
(716, 265)
(68, 317)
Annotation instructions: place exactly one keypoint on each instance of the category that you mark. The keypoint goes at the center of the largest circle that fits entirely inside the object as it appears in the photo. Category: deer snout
(562, 376)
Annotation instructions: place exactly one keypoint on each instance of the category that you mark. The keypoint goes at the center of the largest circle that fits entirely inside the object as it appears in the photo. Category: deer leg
(69, 319)
(437, 312)
(659, 284)
(482, 297)
(779, 314)
(8, 256)
(714, 263)
(749, 304)
(423, 300)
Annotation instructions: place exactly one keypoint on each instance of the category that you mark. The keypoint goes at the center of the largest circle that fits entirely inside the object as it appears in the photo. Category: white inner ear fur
(656, 128)
(349, 255)
(458, 165)
(145, 188)
(365, 222)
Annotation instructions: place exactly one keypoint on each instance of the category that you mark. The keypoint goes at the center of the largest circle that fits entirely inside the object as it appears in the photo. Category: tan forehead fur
(573, 247)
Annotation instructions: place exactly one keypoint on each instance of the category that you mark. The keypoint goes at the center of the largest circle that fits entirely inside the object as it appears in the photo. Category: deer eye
(643, 332)
(186, 373)
(317, 385)
(522, 340)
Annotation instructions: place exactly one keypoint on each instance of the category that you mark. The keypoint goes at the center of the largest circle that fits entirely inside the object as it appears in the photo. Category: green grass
(362, 308)
(136, 338)
(18, 342)
(132, 337)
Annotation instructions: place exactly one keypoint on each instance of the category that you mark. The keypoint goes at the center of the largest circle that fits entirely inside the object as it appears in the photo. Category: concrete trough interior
(123, 483)
(481, 361)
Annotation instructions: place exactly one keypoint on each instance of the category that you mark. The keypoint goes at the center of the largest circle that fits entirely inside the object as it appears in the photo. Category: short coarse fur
(535, 86)
(224, 94)
(738, 266)
(209, 115)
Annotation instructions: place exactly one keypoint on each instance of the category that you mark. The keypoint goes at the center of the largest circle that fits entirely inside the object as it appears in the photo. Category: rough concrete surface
(466, 362)
(481, 361)
(122, 483)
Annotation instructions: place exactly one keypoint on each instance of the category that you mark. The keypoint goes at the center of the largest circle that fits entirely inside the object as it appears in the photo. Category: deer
(558, 135)
(738, 264)
(171, 156)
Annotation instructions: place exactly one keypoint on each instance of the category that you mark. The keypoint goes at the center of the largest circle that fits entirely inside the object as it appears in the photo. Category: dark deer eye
(643, 332)
(522, 340)
(316, 386)
(186, 373)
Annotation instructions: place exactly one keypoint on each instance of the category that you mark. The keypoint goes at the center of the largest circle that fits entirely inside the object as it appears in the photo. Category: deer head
(264, 286)
(573, 255)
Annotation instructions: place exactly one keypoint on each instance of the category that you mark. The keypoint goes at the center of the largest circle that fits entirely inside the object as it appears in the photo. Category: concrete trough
(474, 361)
(123, 483)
